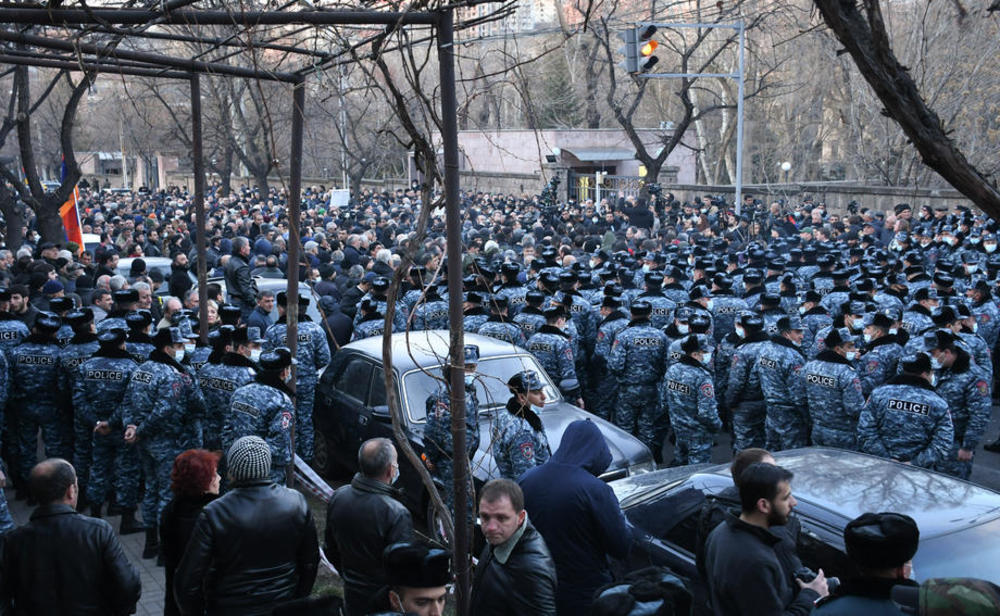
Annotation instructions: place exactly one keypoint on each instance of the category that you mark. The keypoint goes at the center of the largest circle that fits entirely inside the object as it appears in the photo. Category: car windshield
(491, 386)
(970, 552)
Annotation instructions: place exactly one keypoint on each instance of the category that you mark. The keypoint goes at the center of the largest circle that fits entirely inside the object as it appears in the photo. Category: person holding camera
(744, 572)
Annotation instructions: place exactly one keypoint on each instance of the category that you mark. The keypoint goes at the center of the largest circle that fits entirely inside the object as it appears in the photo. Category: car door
(345, 402)
(820, 544)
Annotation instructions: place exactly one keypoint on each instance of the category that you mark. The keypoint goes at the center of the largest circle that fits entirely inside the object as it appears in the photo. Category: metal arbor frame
(107, 59)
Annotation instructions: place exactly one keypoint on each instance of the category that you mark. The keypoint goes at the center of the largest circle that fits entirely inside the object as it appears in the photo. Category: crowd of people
(784, 325)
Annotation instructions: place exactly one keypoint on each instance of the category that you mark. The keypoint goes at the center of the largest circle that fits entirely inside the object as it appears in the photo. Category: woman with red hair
(195, 483)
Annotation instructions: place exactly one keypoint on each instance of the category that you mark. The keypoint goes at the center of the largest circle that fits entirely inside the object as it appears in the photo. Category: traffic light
(638, 49)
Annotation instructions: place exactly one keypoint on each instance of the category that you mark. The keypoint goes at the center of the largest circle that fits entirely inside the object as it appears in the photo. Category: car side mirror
(381, 412)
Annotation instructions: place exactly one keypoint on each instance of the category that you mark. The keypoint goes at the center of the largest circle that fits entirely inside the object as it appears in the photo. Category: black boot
(129, 525)
(152, 547)
(95, 510)
(993, 447)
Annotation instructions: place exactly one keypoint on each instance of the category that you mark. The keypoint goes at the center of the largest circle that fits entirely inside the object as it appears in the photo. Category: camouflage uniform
(166, 406)
(905, 420)
(369, 326)
(605, 383)
(917, 319)
(988, 319)
(743, 393)
(966, 389)
(779, 367)
(260, 409)
(725, 308)
(139, 345)
(689, 396)
(474, 318)
(976, 347)
(35, 399)
(530, 320)
(312, 353)
(6, 521)
(639, 359)
(835, 400)
(98, 395)
(554, 351)
(514, 294)
(398, 318)
(815, 321)
(80, 348)
(218, 382)
(502, 328)
(663, 308)
(12, 332)
(879, 363)
(198, 358)
(432, 314)
(437, 437)
(515, 445)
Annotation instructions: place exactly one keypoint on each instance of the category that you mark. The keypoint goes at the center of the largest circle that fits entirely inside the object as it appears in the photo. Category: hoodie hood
(583, 445)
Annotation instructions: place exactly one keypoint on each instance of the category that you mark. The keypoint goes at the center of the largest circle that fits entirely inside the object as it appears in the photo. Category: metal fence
(583, 186)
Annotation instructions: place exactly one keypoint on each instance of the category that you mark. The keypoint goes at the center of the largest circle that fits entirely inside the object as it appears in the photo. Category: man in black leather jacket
(252, 549)
(239, 284)
(362, 520)
(62, 562)
(515, 574)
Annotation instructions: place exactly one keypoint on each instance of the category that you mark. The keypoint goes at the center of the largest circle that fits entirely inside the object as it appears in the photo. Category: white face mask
(933, 380)
(893, 330)
(856, 325)
(950, 241)
(706, 358)
(925, 243)
(975, 327)
(802, 310)
(710, 305)
(935, 363)
(742, 333)
(851, 355)
(972, 269)
(974, 240)
(868, 338)
(189, 348)
(682, 328)
(255, 355)
(470, 378)
(989, 247)
(179, 355)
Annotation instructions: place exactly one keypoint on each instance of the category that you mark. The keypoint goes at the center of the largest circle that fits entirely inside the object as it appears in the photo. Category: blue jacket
(577, 514)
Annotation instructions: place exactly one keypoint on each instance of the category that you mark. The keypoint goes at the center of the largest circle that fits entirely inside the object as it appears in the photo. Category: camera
(807, 575)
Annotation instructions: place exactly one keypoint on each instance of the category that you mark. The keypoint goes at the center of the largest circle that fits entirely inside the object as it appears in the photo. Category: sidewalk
(151, 576)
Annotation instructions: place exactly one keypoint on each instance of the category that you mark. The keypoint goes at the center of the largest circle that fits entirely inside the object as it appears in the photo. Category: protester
(195, 483)
(82, 555)
(515, 574)
(417, 577)
(363, 519)
(252, 549)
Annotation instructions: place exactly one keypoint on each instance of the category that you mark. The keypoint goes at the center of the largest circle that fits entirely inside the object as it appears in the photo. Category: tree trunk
(49, 223)
(261, 180)
(13, 215)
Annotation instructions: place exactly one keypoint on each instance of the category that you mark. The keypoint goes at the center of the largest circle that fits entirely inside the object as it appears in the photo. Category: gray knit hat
(249, 459)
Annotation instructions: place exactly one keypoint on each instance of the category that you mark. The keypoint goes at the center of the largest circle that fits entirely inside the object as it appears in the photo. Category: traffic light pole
(740, 29)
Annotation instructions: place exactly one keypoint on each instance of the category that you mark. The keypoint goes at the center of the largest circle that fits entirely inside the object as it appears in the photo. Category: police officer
(263, 407)
(965, 387)
(432, 313)
(663, 307)
(613, 321)
(882, 353)
(532, 316)
(917, 317)
(196, 352)
(312, 353)
(139, 344)
(553, 348)
(500, 327)
(218, 381)
(834, 392)
(743, 392)
(905, 420)
(689, 397)
(162, 415)
(34, 396)
(778, 368)
(61, 306)
(511, 289)
(725, 306)
(473, 314)
(518, 439)
(437, 431)
(638, 360)
(82, 345)
(380, 286)
(98, 397)
(417, 275)
(985, 310)
(372, 321)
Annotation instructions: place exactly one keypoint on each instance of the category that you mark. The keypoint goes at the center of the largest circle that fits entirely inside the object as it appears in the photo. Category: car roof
(428, 348)
(848, 484)
(150, 261)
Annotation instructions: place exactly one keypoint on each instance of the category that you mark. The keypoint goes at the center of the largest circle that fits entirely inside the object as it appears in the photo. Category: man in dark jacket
(577, 515)
(239, 285)
(180, 280)
(515, 575)
(362, 520)
(744, 573)
(882, 545)
(252, 549)
(337, 325)
(80, 553)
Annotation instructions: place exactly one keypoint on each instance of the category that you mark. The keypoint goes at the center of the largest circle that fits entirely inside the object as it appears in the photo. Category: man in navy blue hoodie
(577, 515)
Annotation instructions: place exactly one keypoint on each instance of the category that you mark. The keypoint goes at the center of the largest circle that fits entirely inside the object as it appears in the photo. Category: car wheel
(323, 461)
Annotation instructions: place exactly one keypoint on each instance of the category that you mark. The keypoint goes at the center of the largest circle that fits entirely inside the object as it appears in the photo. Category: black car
(351, 406)
(959, 521)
